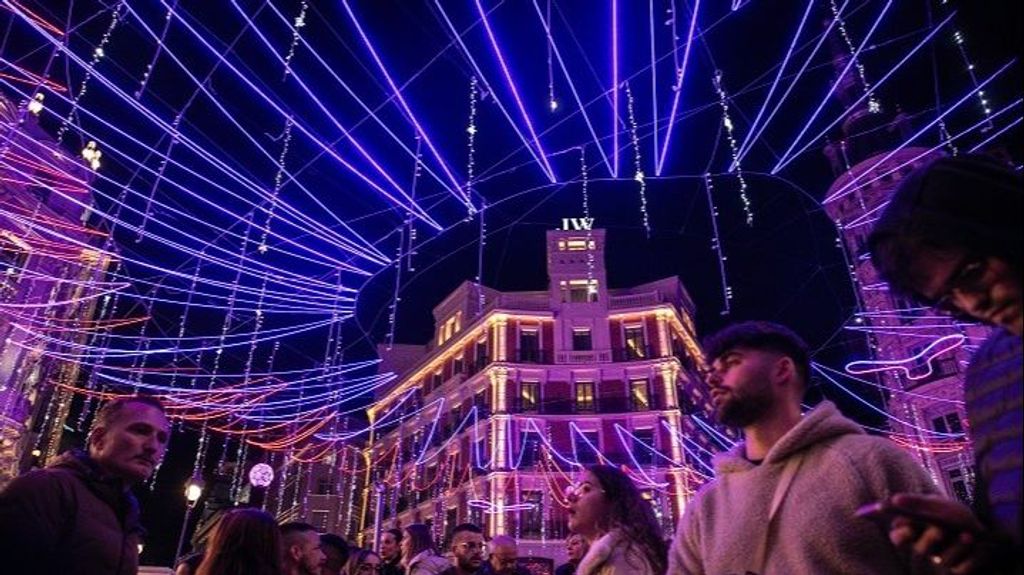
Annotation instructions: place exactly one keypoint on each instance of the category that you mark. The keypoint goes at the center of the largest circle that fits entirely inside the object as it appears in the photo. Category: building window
(324, 486)
(529, 345)
(529, 395)
(481, 354)
(579, 291)
(576, 245)
(458, 365)
(636, 346)
(436, 379)
(451, 518)
(319, 519)
(584, 397)
(643, 446)
(948, 423)
(532, 518)
(960, 486)
(480, 401)
(639, 395)
(586, 444)
(530, 450)
(449, 328)
(581, 339)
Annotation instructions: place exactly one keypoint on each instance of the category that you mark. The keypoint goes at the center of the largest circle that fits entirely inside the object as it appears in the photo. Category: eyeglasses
(969, 278)
(370, 568)
(472, 545)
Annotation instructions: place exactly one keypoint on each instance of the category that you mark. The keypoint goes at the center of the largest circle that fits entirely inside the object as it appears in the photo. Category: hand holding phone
(944, 532)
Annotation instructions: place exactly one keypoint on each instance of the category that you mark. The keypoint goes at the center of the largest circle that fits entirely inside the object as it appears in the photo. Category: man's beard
(742, 410)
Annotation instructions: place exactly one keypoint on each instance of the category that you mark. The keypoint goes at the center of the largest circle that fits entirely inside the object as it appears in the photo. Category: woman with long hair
(607, 510)
(245, 542)
(419, 556)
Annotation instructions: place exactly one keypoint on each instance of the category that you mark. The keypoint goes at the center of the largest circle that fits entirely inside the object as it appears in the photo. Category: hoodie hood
(820, 424)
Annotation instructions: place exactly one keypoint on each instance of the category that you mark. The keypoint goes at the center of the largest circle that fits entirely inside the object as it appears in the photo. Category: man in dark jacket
(78, 515)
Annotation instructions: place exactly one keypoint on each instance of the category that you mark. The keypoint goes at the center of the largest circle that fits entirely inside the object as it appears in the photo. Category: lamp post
(193, 491)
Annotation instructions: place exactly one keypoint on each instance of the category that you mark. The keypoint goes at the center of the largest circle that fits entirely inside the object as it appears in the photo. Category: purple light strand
(835, 84)
(678, 88)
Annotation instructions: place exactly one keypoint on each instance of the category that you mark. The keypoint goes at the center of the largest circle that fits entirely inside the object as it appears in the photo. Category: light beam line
(572, 87)
(491, 91)
(202, 152)
(835, 84)
(842, 191)
(868, 93)
(459, 189)
(771, 91)
(411, 205)
(512, 87)
(678, 88)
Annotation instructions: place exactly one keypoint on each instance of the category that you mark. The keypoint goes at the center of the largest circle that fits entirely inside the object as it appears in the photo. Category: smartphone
(884, 511)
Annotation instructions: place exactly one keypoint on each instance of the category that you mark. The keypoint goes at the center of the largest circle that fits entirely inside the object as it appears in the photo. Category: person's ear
(97, 437)
(785, 369)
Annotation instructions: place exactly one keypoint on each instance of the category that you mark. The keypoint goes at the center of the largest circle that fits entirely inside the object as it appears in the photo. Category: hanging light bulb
(92, 154)
(35, 105)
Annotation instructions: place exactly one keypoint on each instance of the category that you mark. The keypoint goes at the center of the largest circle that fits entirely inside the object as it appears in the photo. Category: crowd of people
(805, 492)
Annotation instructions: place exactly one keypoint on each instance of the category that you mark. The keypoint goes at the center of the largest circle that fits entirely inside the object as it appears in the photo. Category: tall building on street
(914, 354)
(491, 420)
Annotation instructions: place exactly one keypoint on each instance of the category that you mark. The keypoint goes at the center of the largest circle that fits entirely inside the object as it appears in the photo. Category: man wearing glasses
(951, 238)
(467, 550)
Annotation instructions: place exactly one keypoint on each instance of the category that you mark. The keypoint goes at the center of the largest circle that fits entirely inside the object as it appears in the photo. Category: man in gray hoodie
(785, 499)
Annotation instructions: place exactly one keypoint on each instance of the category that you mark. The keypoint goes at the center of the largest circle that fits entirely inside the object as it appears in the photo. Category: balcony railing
(588, 356)
(533, 356)
(634, 300)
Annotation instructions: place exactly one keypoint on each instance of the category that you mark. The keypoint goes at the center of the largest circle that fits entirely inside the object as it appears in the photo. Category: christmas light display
(213, 199)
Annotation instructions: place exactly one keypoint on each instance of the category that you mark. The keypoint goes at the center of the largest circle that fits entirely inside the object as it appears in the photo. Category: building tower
(490, 421)
(916, 356)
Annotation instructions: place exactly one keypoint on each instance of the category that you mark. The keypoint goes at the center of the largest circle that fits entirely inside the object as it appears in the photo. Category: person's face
(388, 547)
(503, 559)
(332, 560)
(369, 566)
(985, 288)
(468, 549)
(406, 546)
(574, 548)
(307, 554)
(133, 444)
(741, 386)
(587, 504)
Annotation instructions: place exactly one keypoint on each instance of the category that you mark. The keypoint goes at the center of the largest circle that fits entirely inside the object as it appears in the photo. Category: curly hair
(632, 515)
(966, 203)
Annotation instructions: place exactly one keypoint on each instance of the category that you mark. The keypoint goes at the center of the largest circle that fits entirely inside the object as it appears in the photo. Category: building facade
(917, 355)
(52, 266)
(490, 421)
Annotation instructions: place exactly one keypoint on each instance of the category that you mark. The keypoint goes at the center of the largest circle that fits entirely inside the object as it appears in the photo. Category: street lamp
(193, 491)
